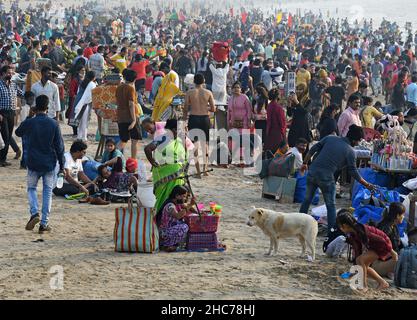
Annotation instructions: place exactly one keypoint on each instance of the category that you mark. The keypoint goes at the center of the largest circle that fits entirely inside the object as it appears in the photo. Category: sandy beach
(81, 242)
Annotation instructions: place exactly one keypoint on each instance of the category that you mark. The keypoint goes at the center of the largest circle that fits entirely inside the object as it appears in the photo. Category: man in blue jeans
(334, 154)
(45, 148)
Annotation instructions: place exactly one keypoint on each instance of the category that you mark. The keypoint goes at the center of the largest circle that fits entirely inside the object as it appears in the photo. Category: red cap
(131, 164)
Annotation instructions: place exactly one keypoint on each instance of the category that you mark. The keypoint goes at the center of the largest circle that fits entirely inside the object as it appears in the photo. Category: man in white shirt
(219, 82)
(299, 149)
(50, 89)
(73, 172)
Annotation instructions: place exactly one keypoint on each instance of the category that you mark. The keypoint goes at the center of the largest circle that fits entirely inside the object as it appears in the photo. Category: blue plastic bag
(301, 188)
(363, 195)
(381, 179)
(365, 214)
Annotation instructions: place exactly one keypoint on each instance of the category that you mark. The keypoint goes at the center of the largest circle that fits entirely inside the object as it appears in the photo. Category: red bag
(197, 241)
(203, 224)
(220, 51)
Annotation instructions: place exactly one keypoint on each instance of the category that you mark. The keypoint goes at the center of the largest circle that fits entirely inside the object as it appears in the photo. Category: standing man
(411, 92)
(96, 64)
(46, 87)
(119, 60)
(333, 154)
(45, 148)
(8, 98)
(350, 116)
(128, 112)
(377, 70)
(184, 66)
(218, 87)
(199, 102)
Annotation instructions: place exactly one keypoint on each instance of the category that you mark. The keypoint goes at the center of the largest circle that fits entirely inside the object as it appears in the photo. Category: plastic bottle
(60, 181)
(142, 171)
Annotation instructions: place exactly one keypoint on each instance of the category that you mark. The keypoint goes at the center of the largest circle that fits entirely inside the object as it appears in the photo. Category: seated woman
(394, 216)
(111, 153)
(369, 244)
(109, 158)
(172, 228)
(283, 149)
(115, 179)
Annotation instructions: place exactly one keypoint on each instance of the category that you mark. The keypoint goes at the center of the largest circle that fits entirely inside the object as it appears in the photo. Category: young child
(28, 111)
(111, 154)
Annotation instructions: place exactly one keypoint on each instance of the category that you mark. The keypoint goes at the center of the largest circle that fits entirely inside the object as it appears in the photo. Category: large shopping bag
(135, 230)
(381, 197)
(381, 179)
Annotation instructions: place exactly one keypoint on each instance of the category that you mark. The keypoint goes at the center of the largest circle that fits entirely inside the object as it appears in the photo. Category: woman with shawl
(83, 106)
(299, 110)
(166, 92)
(168, 157)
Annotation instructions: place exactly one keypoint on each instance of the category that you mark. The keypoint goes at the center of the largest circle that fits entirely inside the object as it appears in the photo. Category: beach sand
(82, 243)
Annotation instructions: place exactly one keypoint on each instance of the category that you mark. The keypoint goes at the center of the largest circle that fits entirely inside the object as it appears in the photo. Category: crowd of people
(346, 77)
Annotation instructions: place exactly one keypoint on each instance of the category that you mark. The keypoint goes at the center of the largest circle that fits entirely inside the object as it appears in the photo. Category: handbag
(238, 124)
(282, 166)
(135, 229)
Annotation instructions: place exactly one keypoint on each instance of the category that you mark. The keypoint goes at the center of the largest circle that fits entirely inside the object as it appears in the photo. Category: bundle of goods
(364, 149)
(220, 51)
(203, 228)
(393, 152)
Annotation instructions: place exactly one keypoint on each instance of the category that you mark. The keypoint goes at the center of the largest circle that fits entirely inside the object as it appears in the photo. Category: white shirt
(51, 91)
(74, 167)
(219, 78)
(298, 157)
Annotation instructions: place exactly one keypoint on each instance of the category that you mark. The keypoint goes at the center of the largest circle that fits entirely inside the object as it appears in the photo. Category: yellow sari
(167, 91)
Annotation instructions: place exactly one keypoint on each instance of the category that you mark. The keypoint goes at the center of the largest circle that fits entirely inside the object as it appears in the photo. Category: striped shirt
(8, 95)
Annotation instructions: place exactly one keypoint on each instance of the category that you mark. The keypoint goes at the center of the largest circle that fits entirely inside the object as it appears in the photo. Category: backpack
(406, 268)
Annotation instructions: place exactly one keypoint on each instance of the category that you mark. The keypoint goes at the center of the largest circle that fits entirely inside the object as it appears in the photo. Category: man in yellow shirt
(303, 76)
(369, 112)
(119, 60)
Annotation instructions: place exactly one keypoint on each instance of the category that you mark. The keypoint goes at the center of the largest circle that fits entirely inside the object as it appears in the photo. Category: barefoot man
(199, 102)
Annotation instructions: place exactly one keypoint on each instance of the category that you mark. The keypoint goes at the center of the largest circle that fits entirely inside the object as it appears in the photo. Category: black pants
(67, 188)
(6, 129)
(70, 190)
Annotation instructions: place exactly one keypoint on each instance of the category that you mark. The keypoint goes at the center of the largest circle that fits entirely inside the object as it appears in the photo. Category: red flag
(244, 17)
(289, 20)
(231, 12)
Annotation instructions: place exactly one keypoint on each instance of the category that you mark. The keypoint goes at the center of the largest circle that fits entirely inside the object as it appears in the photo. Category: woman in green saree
(168, 158)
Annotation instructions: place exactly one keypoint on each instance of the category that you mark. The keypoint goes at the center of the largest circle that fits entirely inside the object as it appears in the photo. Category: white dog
(278, 225)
